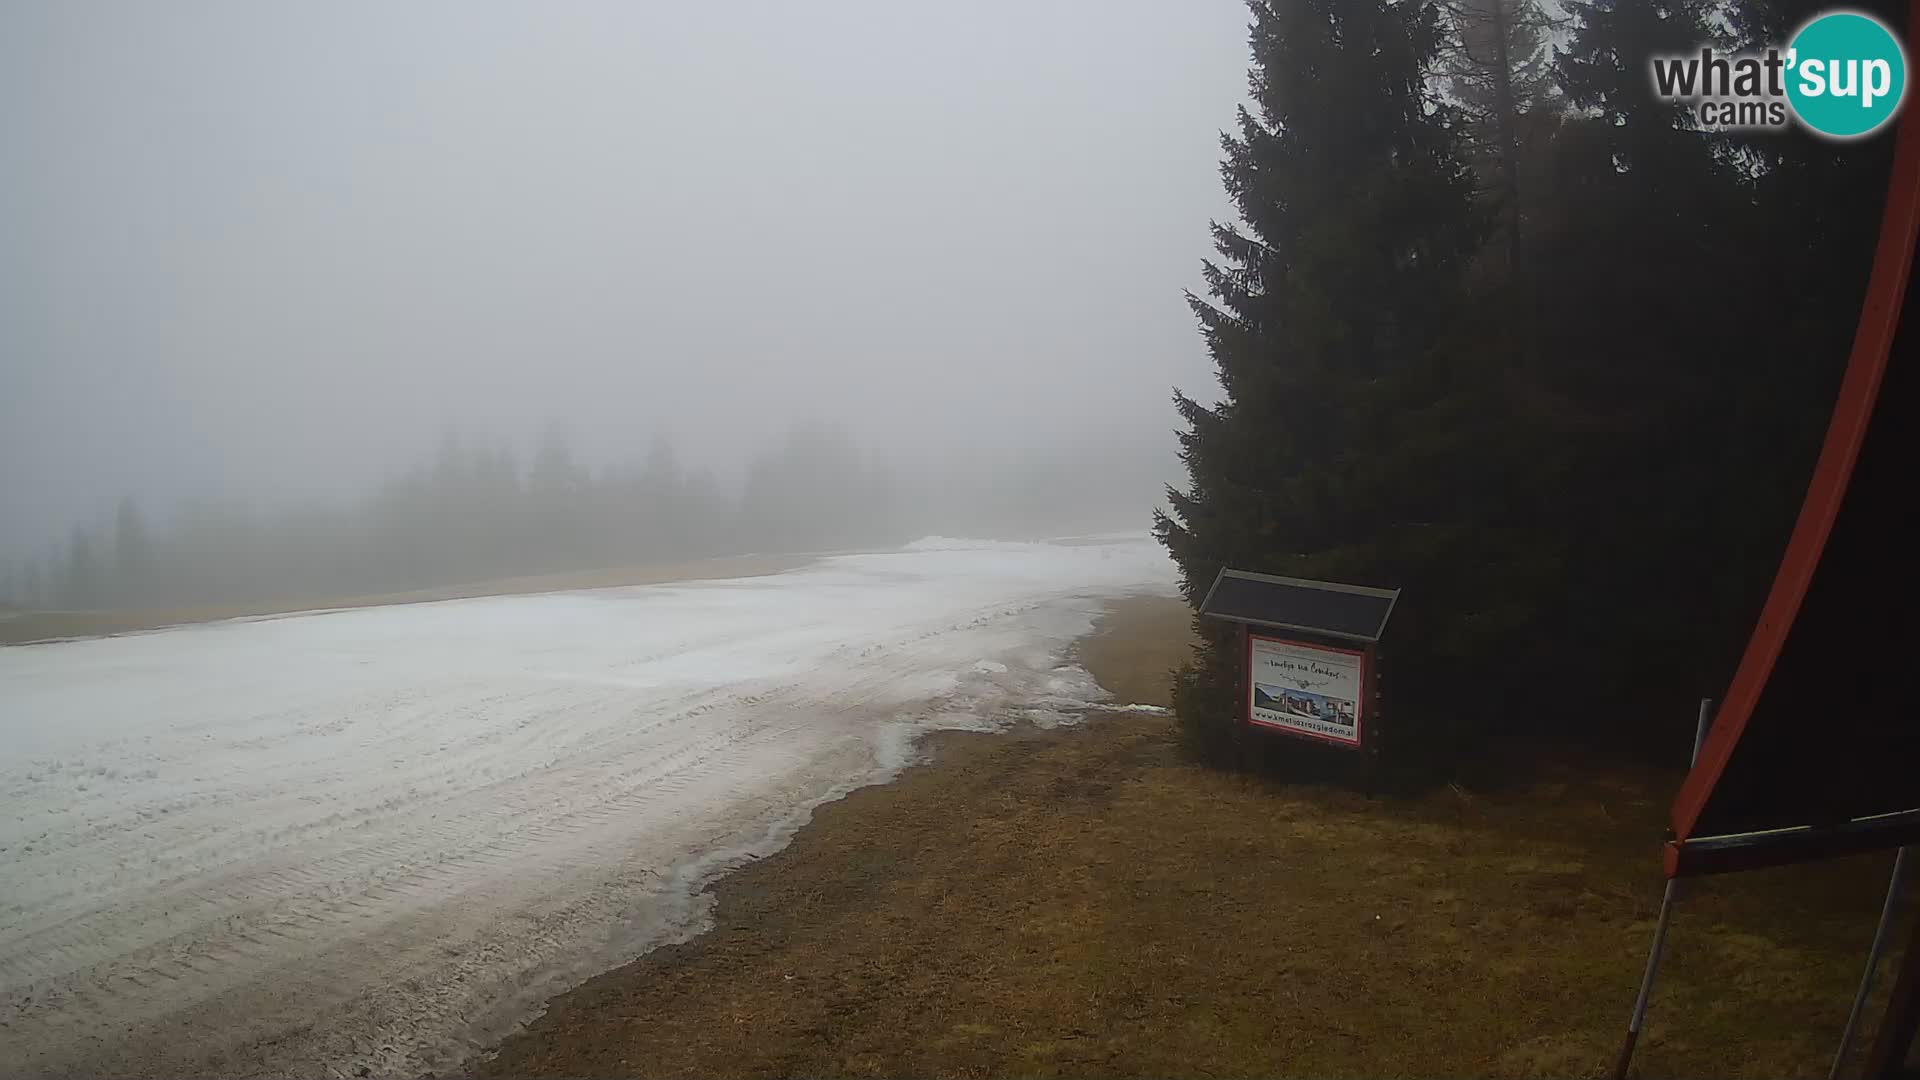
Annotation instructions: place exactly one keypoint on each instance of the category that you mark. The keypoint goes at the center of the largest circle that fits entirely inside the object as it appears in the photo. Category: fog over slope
(259, 260)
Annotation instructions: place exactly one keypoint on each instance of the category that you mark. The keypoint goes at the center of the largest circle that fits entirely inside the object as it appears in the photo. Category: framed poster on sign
(1318, 691)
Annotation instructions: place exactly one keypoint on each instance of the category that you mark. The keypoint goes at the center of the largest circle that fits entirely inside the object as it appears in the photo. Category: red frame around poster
(1360, 705)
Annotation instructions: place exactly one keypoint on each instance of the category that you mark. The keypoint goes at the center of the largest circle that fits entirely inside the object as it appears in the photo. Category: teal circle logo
(1846, 74)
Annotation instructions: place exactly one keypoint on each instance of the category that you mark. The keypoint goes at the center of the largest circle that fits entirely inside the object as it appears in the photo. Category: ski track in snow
(379, 838)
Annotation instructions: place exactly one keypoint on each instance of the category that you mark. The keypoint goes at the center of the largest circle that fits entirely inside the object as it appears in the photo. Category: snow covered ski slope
(377, 838)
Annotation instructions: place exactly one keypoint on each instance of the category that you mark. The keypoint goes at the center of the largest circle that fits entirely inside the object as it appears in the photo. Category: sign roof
(1349, 612)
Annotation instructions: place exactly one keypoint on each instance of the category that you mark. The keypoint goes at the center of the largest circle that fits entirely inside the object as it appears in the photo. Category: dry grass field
(1084, 902)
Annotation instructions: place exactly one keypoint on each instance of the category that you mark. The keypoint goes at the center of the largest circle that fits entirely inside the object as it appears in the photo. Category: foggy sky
(277, 250)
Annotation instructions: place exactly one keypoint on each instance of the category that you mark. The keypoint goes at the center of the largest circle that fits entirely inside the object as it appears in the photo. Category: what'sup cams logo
(1843, 75)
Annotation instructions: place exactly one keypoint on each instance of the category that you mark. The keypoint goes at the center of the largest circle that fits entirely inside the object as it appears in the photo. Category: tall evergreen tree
(132, 555)
(1650, 337)
(1330, 305)
(83, 584)
(33, 586)
(1495, 64)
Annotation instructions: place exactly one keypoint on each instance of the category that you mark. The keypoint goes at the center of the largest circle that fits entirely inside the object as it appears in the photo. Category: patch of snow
(379, 838)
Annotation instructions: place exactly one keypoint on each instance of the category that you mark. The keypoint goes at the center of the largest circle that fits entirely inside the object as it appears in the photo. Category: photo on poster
(1311, 689)
(1303, 704)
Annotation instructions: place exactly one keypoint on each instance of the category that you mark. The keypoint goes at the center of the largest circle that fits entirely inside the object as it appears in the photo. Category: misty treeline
(481, 510)
(1500, 328)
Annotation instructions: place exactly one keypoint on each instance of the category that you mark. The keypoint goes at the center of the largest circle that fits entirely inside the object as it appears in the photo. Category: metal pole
(1700, 730)
(1873, 960)
(1659, 928)
(1900, 1020)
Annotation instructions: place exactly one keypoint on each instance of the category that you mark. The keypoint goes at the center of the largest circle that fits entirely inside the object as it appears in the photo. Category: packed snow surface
(377, 839)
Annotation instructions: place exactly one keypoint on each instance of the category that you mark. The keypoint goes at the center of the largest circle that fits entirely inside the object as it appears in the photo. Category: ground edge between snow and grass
(1084, 901)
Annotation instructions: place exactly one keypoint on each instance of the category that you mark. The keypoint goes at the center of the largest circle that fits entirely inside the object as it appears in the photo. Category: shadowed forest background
(483, 510)
(1498, 327)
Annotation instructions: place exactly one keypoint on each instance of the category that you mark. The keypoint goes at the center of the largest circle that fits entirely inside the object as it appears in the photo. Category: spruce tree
(1696, 292)
(132, 555)
(83, 585)
(1330, 304)
(1654, 342)
(1495, 63)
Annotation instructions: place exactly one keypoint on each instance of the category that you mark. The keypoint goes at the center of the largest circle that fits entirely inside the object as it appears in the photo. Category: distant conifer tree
(132, 556)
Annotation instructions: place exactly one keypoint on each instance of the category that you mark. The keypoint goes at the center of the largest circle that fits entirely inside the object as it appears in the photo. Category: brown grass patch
(1087, 903)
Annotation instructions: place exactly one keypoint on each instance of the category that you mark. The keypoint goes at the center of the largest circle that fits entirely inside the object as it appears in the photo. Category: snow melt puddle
(379, 838)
